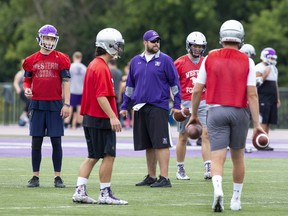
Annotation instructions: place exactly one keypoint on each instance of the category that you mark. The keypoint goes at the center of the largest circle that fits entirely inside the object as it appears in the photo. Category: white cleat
(218, 205)
(181, 174)
(81, 196)
(83, 199)
(235, 205)
(106, 197)
(207, 176)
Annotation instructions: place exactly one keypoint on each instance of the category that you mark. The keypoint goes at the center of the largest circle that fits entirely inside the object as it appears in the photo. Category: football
(194, 131)
(260, 141)
(181, 116)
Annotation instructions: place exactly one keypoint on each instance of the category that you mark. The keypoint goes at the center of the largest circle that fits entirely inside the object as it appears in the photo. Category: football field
(265, 189)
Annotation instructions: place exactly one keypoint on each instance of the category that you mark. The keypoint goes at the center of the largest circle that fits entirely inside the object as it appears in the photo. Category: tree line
(79, 21)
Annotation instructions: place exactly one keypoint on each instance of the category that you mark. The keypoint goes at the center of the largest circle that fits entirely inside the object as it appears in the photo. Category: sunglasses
(155, 41)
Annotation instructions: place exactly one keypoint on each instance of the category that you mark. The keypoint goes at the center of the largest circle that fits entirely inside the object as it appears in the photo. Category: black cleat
(162, 182)
(147, 181)
(267, 149)
(33, 182)
(58, 183)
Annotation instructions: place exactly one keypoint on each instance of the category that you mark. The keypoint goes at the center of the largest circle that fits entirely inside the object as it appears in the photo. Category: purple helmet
(50, 31)
(269, 56)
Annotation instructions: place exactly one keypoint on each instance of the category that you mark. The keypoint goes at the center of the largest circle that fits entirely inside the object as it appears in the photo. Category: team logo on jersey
(157, 63)
(192, 73)
(46, 69)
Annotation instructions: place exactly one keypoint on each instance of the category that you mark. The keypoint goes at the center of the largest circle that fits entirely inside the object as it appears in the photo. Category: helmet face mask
(47, 37)
(269, 56)
(111, 41)
(249, 50)
(119, 47)
(232, 31)
(196, 44)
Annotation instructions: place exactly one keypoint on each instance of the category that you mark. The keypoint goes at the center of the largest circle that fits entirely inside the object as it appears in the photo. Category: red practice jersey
(98, 82)
(188, 72)
(227, 73)
(43, 74)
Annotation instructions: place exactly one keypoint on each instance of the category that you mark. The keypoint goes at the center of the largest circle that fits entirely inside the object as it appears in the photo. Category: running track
(15, 142)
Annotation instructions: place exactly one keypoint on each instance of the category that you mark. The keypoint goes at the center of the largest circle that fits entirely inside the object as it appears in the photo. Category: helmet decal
(269, 56)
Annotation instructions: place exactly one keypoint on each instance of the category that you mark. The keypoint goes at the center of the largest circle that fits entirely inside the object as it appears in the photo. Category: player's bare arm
(114, 121)
(65, 111)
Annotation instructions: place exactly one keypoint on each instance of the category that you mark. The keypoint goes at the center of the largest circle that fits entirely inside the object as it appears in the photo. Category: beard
(152, 50)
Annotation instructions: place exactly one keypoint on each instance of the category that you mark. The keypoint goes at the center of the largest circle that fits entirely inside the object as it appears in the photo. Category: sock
(217, 183)
(207, 162)
(81, 181)
(237, 189)
(180, 164)
(104, 185)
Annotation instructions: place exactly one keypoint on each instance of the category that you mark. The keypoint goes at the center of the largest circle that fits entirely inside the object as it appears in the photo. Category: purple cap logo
(150, 35)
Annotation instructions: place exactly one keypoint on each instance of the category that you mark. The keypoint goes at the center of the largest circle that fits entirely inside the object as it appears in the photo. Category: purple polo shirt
(150, 82)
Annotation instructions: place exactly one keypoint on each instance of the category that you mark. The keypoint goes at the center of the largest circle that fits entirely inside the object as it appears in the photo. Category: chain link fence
(11, 106)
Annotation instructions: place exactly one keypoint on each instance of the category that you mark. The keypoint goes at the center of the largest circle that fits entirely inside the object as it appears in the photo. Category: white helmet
(269, 56)
(196, 38)
(110, 40)
(249, 50)
(232, 31)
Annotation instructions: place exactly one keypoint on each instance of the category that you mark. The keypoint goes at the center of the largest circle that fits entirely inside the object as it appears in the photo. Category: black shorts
(100, 139)
(151, 128)
(268, 113)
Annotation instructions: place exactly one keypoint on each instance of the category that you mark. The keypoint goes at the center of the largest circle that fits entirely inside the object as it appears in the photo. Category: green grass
(265, 190)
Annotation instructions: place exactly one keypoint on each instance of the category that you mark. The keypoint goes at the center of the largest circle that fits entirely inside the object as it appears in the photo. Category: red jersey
(227, 73)
(188, 72)
(43, 74)
(98, 82)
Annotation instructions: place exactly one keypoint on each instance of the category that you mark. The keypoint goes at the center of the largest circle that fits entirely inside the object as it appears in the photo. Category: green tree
(78, 22)
(172, 19)
(268, 29)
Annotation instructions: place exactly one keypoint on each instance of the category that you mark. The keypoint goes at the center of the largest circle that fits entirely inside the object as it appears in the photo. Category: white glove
(259, 81)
